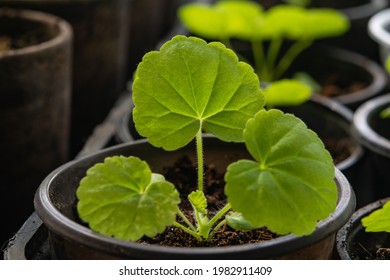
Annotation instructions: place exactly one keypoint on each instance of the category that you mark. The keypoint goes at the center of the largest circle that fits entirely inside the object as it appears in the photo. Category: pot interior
(378, 124)
(17, 33)
(357, 244)
(64, 198)
(332, 67)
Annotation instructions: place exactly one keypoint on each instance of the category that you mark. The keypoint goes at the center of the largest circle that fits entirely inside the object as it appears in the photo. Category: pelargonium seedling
(187, 88)
(265, 30)
(379, 220)
(385, 113)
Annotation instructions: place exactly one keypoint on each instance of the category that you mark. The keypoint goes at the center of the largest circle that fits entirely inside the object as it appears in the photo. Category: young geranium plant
(187, 88)
(265, 30)
(379, 220)
(247, 20)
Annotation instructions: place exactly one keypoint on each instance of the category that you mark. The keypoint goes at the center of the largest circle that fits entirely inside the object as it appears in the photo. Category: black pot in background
(358, 12)
(342, 67)
(373, 132)
(35, 96)
(100, 57)
(55, 201)
(148, 23)
(378, 30)
(354, 243)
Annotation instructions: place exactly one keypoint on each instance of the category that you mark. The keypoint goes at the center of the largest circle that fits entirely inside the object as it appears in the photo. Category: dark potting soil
(339, 148)
(184, 176)
(333, 87)
(361, 251)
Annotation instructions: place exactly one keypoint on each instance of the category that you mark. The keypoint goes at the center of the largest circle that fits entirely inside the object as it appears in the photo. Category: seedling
(379, 220)
(385, 113)
(295, 26)
(187, 88)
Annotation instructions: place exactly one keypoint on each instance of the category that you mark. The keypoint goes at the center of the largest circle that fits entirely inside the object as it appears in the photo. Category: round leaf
(223, 20)
(236, 221)
(297, 23)
(287, 93)
(378, 220)
(191, 85)
(123, 198)
(325, 23)
(290, 185)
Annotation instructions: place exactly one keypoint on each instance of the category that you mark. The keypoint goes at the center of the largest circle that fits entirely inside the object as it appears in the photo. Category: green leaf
(308, 80)
(286, 92)
(223, 20)
(195, 86)
(198, 201)
(298, 23)
(387, 64)
(237, 221)
(290, 185)
(324, 23)
(379, 220)
(123, 198)
(283, 21)
(385, 113)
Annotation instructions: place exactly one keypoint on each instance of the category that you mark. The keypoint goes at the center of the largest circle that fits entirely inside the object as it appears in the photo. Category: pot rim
(365, 10)
(65, 227)
(341, 237)
(364, 132)
(377, 27)
(378, 75)
(345, 113)
(65, 31)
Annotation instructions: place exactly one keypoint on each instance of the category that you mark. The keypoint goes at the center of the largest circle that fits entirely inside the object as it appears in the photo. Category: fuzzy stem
(187, 230)
(216, 228)
(289, 57)
(190, 225)
(258, 57)
(220, 214)
(274, 49)
(199, 150)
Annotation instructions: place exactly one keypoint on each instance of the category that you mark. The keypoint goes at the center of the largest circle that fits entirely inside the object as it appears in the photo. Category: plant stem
(216, 228)
(181, 214)
(187, 230)
(273, 51)
(289, 57)
(258, 57)
(219, 214)
(199, 150)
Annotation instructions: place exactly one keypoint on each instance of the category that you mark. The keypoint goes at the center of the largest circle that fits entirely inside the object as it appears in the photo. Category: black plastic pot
(150, 21)
(378, 30)
(354, 243)
(373, 132)
(100, 52)
(55, 202)
(35, 95)
(358, 12)
(343, 67)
